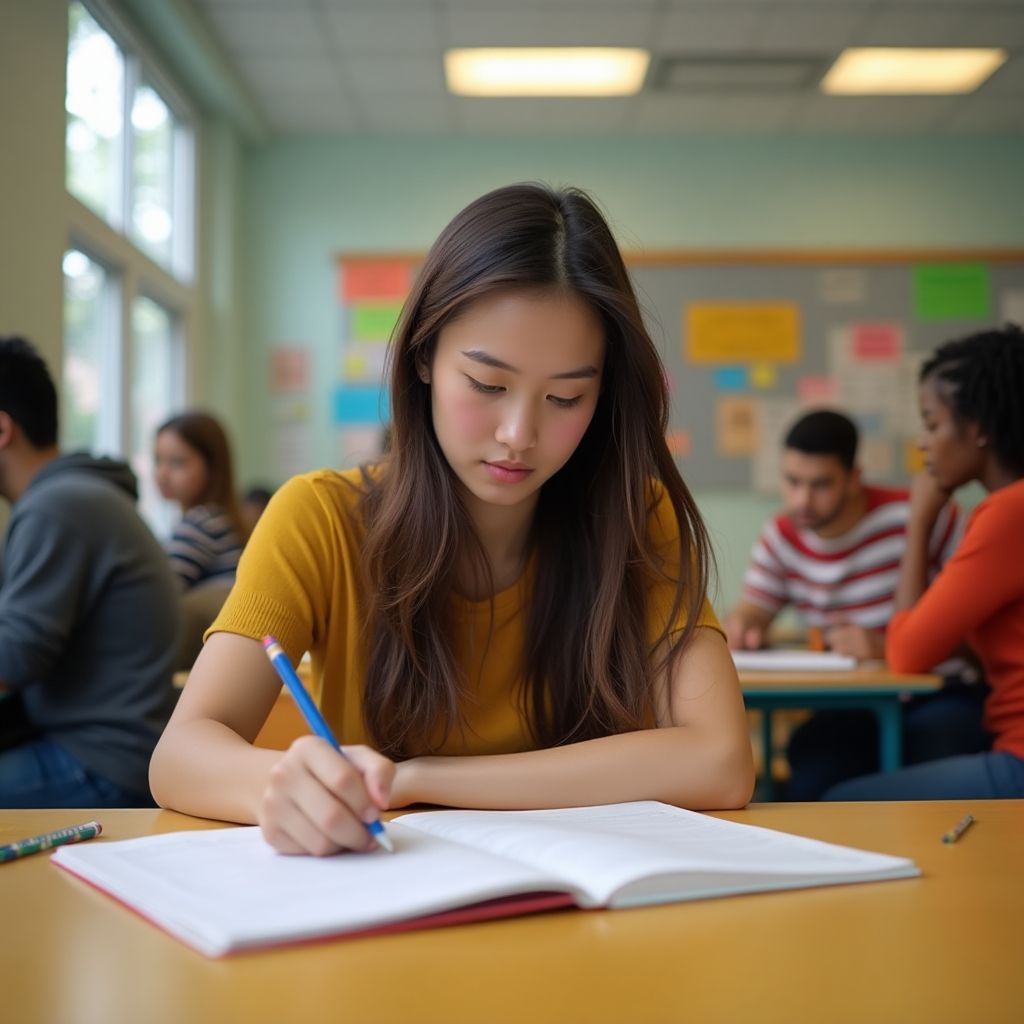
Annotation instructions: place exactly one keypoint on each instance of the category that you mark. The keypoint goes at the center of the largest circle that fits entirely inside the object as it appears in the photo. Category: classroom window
(130, 298)
(91, 355)
(94, 107)
(129, 153)
(156, 394)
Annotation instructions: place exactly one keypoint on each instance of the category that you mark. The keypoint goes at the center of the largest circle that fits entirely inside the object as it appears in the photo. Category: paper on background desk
(781, 660)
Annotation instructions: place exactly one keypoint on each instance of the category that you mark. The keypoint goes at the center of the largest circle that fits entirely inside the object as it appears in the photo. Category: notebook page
(603, 849)
(227, 889)
(782, 660)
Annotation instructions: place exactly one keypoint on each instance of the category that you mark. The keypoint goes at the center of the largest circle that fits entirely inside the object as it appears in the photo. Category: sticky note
(952, 291)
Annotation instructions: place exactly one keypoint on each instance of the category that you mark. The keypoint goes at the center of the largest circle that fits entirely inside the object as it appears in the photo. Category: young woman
(509, 610)
(973, 430)
(192, 462)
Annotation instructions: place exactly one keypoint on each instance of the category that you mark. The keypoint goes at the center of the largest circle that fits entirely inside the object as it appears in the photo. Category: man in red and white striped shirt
(834, 554)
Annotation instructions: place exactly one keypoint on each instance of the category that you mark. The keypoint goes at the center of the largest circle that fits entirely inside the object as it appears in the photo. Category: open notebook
(783, 660)
(225, 889)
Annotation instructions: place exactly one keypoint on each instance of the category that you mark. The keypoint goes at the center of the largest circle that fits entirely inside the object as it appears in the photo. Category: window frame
(134, 271)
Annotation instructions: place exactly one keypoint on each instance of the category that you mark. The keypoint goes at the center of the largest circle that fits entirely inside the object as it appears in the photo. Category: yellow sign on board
(913, 457)
(742, 333)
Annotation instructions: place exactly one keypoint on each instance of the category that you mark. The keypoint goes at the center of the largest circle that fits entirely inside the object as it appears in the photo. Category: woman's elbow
(726, 781)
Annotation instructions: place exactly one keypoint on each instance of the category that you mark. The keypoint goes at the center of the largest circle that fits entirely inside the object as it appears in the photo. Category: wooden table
(872, 688)
(944, 947)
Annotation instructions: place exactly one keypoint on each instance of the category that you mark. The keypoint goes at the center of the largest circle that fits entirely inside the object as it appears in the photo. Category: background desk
(944, 947)
(873, 688)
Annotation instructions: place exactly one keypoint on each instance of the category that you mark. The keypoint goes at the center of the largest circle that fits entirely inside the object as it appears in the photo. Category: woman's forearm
(202, 767)
(913, 581)
(675, 765)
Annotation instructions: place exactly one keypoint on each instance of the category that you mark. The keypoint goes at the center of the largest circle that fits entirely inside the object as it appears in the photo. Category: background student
(511, 606)
(833, 553)
(192, 465)
(254, 504)
(88, 613)
(973, 430)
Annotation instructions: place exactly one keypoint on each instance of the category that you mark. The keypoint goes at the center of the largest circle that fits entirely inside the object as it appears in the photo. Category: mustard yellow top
(301, 580)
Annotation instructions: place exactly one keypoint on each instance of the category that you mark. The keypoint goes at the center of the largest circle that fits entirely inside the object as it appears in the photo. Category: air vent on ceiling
(735, 73)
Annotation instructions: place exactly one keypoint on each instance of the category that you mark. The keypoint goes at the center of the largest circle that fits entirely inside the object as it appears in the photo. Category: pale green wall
(33, 51)
(306, 201)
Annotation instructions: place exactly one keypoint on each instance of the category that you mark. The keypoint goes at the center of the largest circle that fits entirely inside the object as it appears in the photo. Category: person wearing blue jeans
(88, 613)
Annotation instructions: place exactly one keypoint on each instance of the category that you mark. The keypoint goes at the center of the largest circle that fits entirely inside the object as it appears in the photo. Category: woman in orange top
(973, 417)
(509, 611)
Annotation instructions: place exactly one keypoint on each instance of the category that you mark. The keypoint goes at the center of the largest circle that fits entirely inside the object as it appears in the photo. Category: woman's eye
(487, 389)
(565, 403)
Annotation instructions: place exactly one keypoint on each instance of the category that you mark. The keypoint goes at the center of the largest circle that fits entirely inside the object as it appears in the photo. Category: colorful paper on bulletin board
(742, 333)
(817, 388)
(360, 405)
(374, 321)
(952, 291)
(876, 342)
(763, 376)
(736, 425)
(289, 371)
(680, 443)
(913, 457)
(730, 378)
(374, 279)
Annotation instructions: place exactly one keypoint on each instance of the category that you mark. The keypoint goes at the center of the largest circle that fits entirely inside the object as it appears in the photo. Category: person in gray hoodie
(88, 613)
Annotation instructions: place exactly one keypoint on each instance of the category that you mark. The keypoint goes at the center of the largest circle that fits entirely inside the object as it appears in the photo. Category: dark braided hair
(985, 374)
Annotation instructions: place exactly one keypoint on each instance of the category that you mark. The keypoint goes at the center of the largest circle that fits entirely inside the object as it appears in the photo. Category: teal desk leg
(890, 734)
(767, 748)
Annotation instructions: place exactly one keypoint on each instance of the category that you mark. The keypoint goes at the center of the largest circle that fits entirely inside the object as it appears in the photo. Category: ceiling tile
(327, 116)
(978, 115)
(1008, 79)
(411, 117)
(703, 28)
(540, 116)
(418, 76)
(712, 114)
(550, 25)
(895, 26)
(799, 28)
(406, 28)
(286, 30)
(994, 28)
(866, 115)
(269, 75)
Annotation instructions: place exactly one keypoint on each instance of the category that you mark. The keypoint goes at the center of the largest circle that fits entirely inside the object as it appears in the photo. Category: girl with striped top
(193, 467)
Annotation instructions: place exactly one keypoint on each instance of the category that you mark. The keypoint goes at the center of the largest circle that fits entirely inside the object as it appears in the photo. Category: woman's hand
(319, 802)
(927, 499)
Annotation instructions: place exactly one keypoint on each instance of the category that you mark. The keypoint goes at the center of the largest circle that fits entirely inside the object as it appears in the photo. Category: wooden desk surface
(866, 679)
(944, 947)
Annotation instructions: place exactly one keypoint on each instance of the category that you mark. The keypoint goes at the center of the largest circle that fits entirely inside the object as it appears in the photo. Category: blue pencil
(314, 719)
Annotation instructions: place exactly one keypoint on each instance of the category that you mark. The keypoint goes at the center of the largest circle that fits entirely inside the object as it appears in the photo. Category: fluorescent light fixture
(863, 71)
(546, 71)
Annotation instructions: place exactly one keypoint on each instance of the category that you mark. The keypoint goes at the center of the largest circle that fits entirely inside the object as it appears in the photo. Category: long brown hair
(587, 654)
(204, 434)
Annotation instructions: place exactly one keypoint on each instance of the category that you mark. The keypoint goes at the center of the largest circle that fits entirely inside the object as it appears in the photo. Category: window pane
(94, 103)
(155, 395)
(90, 406)
(153, 129)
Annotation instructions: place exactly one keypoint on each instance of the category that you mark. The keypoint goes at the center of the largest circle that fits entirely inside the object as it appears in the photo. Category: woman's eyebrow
(498, 364)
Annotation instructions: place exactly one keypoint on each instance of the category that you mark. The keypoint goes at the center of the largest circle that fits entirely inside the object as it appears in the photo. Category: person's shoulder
(882, 497)
(1002, 509)
(324, 492)
(662, 521)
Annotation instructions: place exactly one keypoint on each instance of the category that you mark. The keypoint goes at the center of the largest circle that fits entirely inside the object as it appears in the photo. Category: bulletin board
(749, 340)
